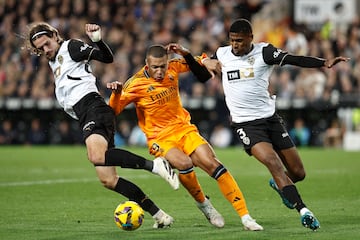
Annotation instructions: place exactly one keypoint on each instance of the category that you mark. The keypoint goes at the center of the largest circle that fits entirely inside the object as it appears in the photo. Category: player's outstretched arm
(177, 48)
(332, 62)
(201, 72)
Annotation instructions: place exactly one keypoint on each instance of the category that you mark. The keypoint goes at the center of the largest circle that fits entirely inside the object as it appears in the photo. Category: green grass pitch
(53, 193)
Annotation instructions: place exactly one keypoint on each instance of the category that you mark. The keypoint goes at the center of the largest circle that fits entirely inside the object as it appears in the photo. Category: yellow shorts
(186, 138)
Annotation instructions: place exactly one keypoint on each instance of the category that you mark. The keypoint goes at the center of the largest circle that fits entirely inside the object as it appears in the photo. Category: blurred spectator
(62, 134)
(356, 119)
(122, 133)
(221, 136)
(334, 134)
(36, 135)
(7, 133)
(137, 137)
(296, 42)
(200, 25)
(300, 133)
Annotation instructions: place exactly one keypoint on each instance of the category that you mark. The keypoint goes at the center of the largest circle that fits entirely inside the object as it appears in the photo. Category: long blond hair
(38, 29)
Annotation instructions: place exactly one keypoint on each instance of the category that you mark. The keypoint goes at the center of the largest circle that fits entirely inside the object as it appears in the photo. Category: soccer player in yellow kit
(155, 92)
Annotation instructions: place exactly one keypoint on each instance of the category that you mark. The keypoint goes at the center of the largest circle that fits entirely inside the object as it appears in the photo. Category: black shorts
(271, 130)
(95, 116)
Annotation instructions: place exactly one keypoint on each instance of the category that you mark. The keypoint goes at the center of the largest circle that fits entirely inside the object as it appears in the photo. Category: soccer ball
(128, 215)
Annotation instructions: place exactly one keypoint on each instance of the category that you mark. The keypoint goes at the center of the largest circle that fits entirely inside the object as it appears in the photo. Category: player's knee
(183, 165)
(273, 163)
(299, 175)
(108, 182)
(96, 158)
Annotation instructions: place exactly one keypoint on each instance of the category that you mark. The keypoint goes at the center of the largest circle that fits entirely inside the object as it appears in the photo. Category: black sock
(134, 193)
(126, 159)
(220, 170)
(291, 193)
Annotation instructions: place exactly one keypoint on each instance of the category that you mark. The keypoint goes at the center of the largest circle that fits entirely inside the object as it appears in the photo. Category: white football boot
(162, 220)
(250, 223)
(212, 215)
(164, 170)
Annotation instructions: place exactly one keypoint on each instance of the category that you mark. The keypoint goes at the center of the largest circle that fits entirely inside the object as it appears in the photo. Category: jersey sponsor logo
(243, 73)
(247, 73)
(165, 96)
(233, 75)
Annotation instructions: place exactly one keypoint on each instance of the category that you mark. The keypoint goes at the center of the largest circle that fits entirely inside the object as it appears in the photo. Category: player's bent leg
(204, 156)
(96, 146)
(107, 176)
(293, 164)
(233, 194)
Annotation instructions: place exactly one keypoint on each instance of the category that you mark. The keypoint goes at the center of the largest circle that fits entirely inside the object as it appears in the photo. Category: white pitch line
(74, 180)
(45, 182)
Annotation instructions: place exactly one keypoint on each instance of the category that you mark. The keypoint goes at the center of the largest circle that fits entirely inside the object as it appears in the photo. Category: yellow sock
(191, 183)
(232, 193)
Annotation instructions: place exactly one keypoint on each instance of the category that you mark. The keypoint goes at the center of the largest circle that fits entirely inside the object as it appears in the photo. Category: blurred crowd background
(319, 105)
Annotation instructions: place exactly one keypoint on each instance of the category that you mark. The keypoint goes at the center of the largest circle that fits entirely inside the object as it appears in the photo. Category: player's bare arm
(177, 48)
(212, 65)
(331, 62)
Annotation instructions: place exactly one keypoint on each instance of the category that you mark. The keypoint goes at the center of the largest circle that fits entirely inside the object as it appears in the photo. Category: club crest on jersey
(246, 140)
(155, 149)
(251, 60)
(60, 59)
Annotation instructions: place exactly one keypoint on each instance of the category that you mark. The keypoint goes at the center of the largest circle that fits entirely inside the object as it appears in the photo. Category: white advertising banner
(318, 11)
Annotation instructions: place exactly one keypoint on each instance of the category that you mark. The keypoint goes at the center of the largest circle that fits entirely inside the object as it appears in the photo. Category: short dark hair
(157, 51)
(241, 26)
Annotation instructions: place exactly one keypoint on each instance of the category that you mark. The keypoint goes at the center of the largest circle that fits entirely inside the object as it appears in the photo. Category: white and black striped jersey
(246, 79)
(72, 73)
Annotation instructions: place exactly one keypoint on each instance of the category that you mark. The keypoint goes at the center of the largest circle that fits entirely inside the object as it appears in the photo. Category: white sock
(158, 214)
(245, 217)
(304, 210)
